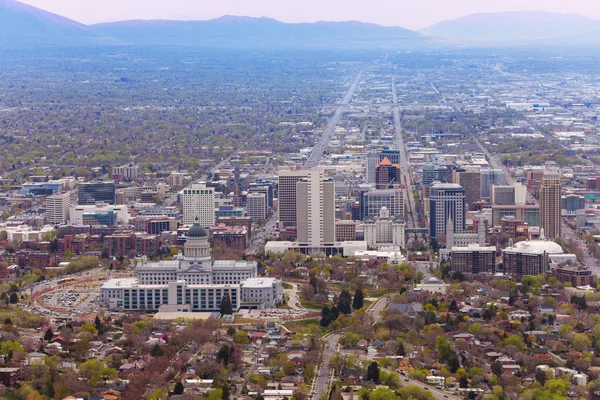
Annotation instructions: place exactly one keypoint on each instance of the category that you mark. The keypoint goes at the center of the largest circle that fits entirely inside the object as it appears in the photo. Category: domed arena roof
(541, 245)
(197, 231)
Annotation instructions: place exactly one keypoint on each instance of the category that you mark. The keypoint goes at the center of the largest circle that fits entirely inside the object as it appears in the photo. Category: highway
(404, 163)
(321, 145)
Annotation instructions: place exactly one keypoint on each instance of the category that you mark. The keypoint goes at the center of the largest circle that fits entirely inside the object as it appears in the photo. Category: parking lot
(72, 301)
(272, 313)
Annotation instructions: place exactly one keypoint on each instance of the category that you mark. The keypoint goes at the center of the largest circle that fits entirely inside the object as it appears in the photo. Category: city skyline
(411, 15)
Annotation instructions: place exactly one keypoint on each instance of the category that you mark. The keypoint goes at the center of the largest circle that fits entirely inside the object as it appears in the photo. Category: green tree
(98, 323)
(309, 371)
(224, 354)
(241, 337)
(540, 376)
(94, 371)
(226, 394)
(373, 372)
(474, 329)
(14, 298)
(48, 335)
(157, 351)
(382, 394)
(344, 302)
(349, 339)
(226, 307)
(400, 350)
(359, 301)
(89, 327)
(497, 368)
(178, 389)
(215, 394)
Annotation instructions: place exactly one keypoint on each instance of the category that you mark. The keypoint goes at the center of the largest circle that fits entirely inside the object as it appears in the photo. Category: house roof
(349, 373)
(412, 308)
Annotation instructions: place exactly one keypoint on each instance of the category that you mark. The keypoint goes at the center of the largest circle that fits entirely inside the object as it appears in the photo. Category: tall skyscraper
(256, 206)
(391, 154)
(372, 201)
(58, 207)
(287, 196)
(198, 205)
(471, 182)
(315, 207)
(446, 201)
(90, 193)
(375, 158)
(387, 175)
(372, 161)
(432, 172)
(489, 177)
(508, 194)
(550, 203)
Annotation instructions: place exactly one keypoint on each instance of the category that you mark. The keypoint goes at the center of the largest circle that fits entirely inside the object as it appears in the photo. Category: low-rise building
(474, 259)
(433, 285)
(577, 276)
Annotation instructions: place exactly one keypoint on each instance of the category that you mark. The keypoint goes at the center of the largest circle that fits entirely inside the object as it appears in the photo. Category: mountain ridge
(512, 26)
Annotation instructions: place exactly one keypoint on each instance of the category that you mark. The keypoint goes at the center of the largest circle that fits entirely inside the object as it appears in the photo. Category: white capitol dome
(540, 245)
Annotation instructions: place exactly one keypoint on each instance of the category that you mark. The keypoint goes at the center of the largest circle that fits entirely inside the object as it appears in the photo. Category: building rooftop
(446, 186)
(474, 247)
(541, 245)
(258, 283)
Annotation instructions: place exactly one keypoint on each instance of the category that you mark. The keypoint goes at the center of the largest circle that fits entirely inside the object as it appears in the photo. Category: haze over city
(369, 200)
(412, 14)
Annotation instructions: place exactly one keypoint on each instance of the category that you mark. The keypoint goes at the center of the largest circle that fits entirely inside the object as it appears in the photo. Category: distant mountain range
(252, 31)
(519, 27)
(21, 24)
(24, 25)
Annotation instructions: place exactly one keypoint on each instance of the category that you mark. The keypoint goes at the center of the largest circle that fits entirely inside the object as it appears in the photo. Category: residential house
(541, 353)
(351, 377)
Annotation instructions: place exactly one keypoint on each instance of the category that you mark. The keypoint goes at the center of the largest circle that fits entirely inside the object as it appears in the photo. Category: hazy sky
(412, 14)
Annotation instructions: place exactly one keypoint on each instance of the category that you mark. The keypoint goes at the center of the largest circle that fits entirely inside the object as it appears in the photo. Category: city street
(324, 375)
(317, 153)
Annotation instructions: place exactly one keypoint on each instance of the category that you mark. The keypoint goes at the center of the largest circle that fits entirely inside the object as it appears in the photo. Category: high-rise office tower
(198, 205)
(471, 182)
(489, 177)
(287, 197)
(432, 172)
(372, 161)
(315, 207)
(446, 201)
(372, 201)
(256, 206)
(550, 203)
(58, 207)
(391, 154)
(387, 175)
(375, 158)
(90, 193)
(508, 194)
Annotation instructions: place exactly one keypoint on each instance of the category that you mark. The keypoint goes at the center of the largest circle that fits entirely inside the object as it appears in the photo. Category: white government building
(194, 282)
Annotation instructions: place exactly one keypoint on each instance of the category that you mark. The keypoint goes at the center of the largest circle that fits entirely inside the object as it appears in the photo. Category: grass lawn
(306, 326)
(314, 306)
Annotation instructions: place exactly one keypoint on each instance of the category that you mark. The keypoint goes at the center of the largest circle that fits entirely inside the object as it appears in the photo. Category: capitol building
(193, 282)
